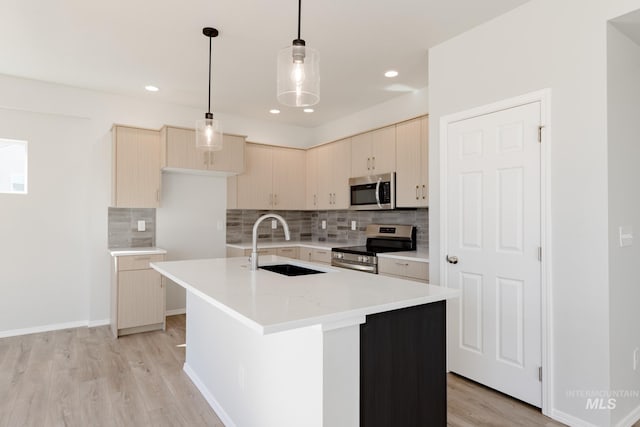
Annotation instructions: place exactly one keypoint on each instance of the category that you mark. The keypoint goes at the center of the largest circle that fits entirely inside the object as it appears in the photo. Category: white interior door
(493, 229)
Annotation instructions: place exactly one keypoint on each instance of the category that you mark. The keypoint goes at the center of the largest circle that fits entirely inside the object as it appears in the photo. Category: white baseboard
(176, 311)
(224, 417)
(630, 419)
(96, 323)
(569, 420)
(44, 328)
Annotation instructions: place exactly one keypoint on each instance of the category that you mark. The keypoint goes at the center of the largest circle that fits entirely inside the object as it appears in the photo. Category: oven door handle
(378, 192)
(367, 268)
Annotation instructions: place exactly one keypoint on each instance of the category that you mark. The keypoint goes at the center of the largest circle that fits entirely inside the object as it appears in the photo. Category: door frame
(544, 97)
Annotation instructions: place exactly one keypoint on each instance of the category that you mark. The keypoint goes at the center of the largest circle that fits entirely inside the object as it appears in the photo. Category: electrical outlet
(636, 355)
(274, 224)
(353, 225)
(324, 224)
(142, 225)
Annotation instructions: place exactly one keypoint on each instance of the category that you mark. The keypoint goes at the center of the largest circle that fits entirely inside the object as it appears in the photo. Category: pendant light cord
(209, 107)
(299, 15)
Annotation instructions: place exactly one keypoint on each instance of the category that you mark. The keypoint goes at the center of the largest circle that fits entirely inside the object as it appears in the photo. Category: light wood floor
(85, 377)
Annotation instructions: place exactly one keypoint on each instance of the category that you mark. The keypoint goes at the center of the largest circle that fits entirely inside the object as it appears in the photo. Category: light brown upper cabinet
(334, 170)
(412, 163)
(289, 178)
(179, 153)
(312, 178)
(274, 178)
(136, 168)
(374, 152)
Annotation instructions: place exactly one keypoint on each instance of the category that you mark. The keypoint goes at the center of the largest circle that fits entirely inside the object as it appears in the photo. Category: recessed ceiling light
(308, 110)
(274, 111)
(391, 73)
(151, 88)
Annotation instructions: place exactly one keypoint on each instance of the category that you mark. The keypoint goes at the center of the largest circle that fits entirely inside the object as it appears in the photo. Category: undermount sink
(290, 269)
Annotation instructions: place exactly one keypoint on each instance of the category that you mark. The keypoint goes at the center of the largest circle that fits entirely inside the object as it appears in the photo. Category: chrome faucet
(254, 247)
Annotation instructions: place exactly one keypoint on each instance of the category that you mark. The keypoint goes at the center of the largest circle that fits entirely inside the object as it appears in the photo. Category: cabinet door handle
(373, 163)
(205, 158)
(275, 199)
(368, 163)
(417, 191)
(315, 198)
(211, 158)
(403, 264)
(424, 191)
(144, 258)
(270, 199)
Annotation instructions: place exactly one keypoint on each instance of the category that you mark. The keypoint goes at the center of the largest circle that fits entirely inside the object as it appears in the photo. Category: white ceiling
(120, 46)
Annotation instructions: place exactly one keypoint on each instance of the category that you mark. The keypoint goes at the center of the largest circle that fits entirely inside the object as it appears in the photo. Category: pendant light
(298, 73)
(208, 130)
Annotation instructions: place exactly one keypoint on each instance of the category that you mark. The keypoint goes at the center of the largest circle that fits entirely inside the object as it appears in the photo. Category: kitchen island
(339, 348)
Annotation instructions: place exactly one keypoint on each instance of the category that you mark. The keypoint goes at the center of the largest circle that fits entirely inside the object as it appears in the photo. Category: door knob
(452, 259)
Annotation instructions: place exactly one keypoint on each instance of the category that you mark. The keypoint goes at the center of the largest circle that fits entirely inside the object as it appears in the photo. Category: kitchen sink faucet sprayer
(254, 247)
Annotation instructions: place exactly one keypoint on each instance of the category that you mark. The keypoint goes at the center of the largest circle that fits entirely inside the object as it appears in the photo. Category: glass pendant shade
(298, 76)
(208, 135)
(208, 130)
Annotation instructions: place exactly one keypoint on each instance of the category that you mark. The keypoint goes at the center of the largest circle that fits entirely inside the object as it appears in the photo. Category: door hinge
(540, 253)
(540, 133)
(540, 373)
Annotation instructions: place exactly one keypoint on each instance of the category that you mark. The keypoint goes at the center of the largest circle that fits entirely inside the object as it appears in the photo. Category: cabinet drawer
(261, 251)
(288, 252)
(398, 267)
(321, 255)
(137, 262)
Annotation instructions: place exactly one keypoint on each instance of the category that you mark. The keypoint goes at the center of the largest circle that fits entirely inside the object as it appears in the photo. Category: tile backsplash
(307, 225)
(123, 228)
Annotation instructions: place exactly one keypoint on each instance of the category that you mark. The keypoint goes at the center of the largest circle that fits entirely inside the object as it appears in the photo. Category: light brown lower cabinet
(403, 269)
(137, 296)
(315, 255)
(295, 252)
(289, 252)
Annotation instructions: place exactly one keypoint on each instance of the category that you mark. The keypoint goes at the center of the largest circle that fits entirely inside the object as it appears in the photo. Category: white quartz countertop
(290, 243)
(269, 302)
(419, 255)
(136, 251)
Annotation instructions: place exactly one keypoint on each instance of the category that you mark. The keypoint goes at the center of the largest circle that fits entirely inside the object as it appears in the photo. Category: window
(13, 166)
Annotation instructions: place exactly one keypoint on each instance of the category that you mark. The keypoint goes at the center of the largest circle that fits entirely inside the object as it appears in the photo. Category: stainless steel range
(380, 238)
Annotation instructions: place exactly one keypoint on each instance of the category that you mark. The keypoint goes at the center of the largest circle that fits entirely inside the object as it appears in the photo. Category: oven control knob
(365, 259)
(337, 255)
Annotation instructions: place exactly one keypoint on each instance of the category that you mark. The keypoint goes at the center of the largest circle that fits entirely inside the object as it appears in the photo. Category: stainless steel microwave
(373, 192)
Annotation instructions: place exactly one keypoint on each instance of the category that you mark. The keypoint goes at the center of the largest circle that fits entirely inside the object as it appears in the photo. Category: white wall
(623, 73)
(397, 109)
(44, 261)
(191, 223)
(562, 46)
(55, 268)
